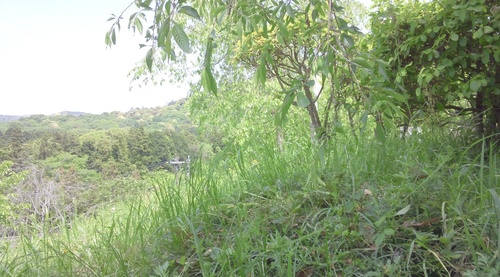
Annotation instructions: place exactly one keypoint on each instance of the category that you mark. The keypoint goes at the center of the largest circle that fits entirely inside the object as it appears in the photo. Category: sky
(53, 59)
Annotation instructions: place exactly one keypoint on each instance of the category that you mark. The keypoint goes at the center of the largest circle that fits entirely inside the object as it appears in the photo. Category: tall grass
(427, 206)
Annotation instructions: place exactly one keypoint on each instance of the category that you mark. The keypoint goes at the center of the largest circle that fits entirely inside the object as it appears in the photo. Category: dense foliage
(420, 61)
(444, 58)
(301, 170)
(72, 163)
(143, 138)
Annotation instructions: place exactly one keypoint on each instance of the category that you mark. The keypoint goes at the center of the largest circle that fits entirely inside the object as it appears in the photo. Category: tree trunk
(479, 113)
(494, 124)
(313, 111)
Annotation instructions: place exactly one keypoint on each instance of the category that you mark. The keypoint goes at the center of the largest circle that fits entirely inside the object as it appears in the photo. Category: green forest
(319, 138)
(82, 161)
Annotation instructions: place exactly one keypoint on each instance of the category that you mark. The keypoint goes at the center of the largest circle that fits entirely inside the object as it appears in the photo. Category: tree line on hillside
(111, 144)
(112, 153)
(61, 171)
(173, 116)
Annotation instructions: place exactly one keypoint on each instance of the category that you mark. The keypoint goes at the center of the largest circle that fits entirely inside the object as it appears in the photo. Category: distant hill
(72, 113)
(174, 116)
(8, 118)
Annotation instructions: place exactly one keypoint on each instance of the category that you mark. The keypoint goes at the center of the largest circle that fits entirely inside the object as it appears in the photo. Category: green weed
(416, 208)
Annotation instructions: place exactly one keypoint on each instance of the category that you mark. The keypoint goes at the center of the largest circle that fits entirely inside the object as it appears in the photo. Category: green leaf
(265, 32)
(379, 132)
(310, 83)
(379, 240)
(261, 71)
(418, 92)
(389, 232)
(113, 37)
(485, 58)
(145, 4)
(477, 34)
(107, 39)
(463, 41)
(496, 200)
(395, 95)
(475, 85)
(336, 82)
(280, 38)
(423, 38)
(182, 260)
(302, 100)
(149, 59)
(404, 210)
(321, 154)
(283, 30)
(163, 33)
(488, 29)
(188, 10)
(454, 37)
(363, 63)
(216, 11)
(348, 39)
(382, 72)
(342, 23)
(462, 14)
(496, 55)
(138, 25)
(181, 38)
(168, 44)
(290, 11)
(440, 106)
(132, 16)
(281, 117)
(475, 8)
(208, 52)
(447, 62)
(208, 81)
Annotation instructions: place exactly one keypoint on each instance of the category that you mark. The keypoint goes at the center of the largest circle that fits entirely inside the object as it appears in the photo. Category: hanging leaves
(138, 25)
(363, 62)
(208, 51)
(207, 78)
(302, 100)
(208, 81)
(149, 59)
(281, 118)
(188, 10)
(348, 40)
(181, 38)
(163, 32)
(289, 43)
(261, 71)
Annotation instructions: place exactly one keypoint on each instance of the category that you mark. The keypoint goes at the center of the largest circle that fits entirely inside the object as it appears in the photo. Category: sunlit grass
(424, 206)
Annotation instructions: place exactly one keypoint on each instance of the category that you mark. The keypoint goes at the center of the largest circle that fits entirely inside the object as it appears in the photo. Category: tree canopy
(444, 57)
(420, 60)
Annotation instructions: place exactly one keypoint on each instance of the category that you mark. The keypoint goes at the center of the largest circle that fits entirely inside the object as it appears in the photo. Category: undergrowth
(426, 206)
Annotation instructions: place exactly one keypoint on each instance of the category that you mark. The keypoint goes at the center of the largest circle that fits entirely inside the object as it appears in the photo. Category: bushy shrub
(8, 179)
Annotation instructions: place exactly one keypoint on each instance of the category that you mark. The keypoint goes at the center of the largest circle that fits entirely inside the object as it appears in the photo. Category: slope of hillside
(174, 116)
(8, 118)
